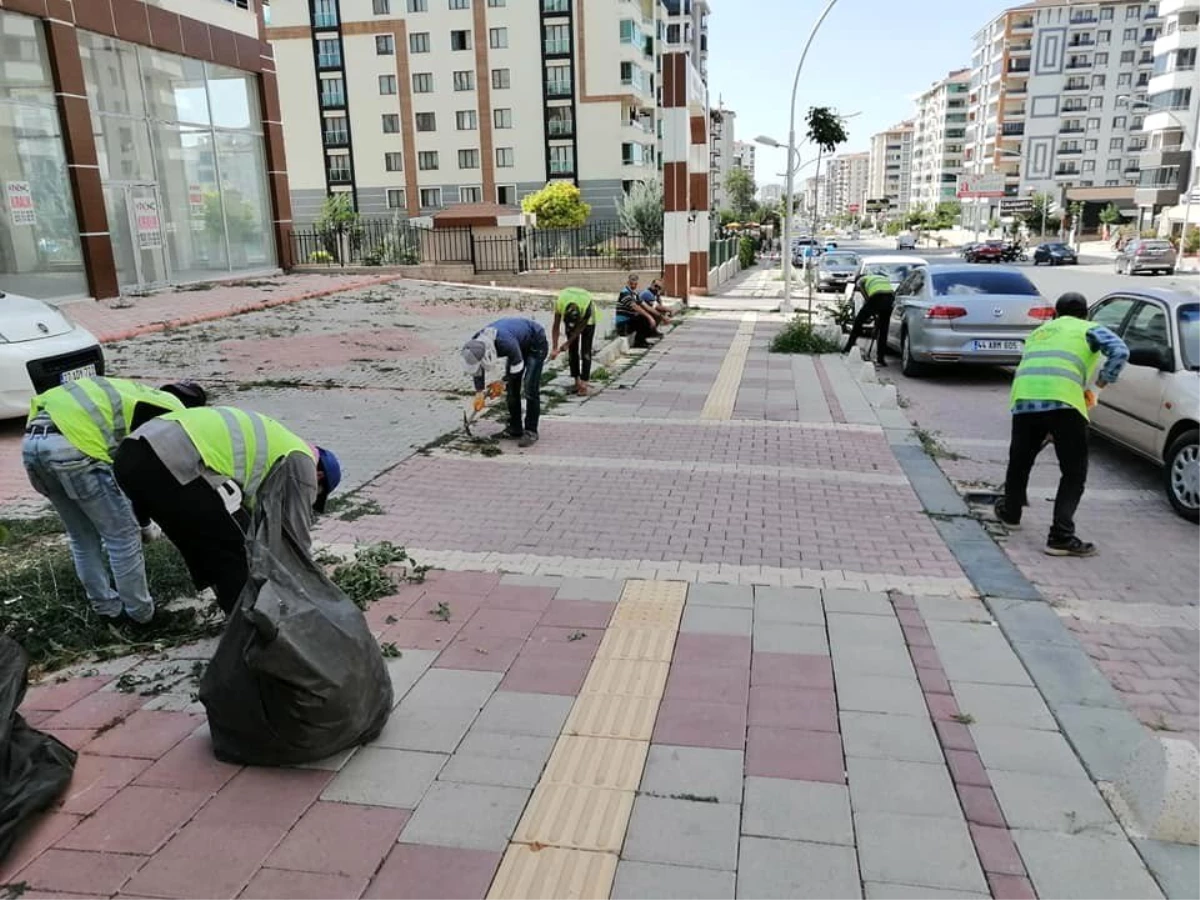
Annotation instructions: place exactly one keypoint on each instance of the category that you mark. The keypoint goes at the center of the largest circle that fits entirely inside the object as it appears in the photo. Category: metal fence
(380, 242)
(596, 245)
(721, 251)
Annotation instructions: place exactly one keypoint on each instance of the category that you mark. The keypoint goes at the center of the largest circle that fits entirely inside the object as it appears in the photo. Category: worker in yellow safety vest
(71, 434)
(198, 473)
(878, 298)
(1050, 399)
(576, 309)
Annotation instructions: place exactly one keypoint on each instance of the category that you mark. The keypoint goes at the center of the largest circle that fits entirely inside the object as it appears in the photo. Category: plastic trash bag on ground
(297, 676)
(35, 768)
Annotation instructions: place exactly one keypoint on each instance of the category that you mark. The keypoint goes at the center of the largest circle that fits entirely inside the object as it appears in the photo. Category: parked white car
(894, 268)
(906, 240)
(40, 348)
(1154, 407)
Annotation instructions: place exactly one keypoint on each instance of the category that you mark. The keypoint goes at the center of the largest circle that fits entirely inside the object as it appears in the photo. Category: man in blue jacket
(521, 344)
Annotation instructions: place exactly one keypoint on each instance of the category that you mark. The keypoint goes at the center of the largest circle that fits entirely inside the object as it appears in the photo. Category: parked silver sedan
(964, 314)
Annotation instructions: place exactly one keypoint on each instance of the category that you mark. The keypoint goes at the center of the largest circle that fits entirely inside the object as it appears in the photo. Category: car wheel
(909, 366)
(1170, 271)
(1182, 473)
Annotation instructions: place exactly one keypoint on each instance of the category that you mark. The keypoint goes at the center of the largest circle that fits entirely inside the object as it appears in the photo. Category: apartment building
(1057, 102)
(770, 193)
(743, 156)
(683, 25)
(722, 124)
(939, 133)
(416, 105)
(890, 173)
(138, 146)
(849, 175)
(1170, 169)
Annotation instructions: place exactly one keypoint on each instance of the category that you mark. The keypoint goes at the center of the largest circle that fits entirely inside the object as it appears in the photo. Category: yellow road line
(568, 839)
(723, 395)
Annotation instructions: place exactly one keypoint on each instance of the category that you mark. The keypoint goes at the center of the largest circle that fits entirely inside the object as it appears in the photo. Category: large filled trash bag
(297, 675)
(35, 768)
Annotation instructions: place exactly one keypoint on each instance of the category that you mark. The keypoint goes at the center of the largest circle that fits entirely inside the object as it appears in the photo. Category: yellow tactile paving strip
(723, 395)
(568, 839)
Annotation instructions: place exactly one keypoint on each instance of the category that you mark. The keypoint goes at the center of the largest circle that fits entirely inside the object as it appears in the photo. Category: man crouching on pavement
(522, 344)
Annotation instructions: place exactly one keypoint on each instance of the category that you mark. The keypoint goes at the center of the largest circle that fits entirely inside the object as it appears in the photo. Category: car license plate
(75, 374)
(1015, 346)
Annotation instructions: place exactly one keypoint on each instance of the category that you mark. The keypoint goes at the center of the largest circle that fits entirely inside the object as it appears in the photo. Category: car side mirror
(1152, 357)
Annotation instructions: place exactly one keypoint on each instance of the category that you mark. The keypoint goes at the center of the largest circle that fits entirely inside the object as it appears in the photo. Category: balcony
(1012, 129)
(1018, 65)
(560, 128)
(1076, 86)
(1019, 91)
(1070, 151)
(1081, 42)
(560, 87)
(1021, 49)
(1077, 64)
(336, 137)
(333, 99)
(557, 46)
(1072, 110)
(1074, 129)
(555, 7)
(1067, 173)
(1084, 19)
(1022, 25)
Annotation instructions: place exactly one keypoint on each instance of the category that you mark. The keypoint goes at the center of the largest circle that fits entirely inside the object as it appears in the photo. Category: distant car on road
(1154, 407)
(906, 240)
(1055, 253)
(988, 251)
(836, 269)
(1146, 255)
(959, 314)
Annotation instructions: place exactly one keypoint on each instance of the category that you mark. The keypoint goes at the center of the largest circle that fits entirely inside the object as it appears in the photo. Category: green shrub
(798, 336)
(320, 257)
(746, 255)
(1191, 240)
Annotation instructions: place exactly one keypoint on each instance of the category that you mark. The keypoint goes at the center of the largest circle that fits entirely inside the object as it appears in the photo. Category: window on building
(672, 34)
(504, 157)
(336, 131)
(431, 198)
(1089, 165)
(1097, 81)
(426, 121)
(1133, 12)
(470, 194)
(391, 123)
(1104, 36)
(329, 53)
(416, 6)
(325, 13)
(418, 42)
(1124, 79)
(381, 7)
(396, 199)
(1102, 59)
(460, 40)
(337, 168)
(468, 159)
(497, 3)
(465, 120)
(1093, 124)
(422, 82)
(385, 45)
(1114, 165)
(1118, 121)
(497, 38)
(464, 80)
(502, 118)
(427, 160)
(393, 162)
(562, 160)
(1113, 182)
(1095, 103)
(557, 38)
(1091, 144)
(1130, 34)
(333, 93)
(558, 81)
(460, 4)
(1106, 14)
(387, 84)
(1117, 143)
(1127, 57)
(506, 194)
(501, 79)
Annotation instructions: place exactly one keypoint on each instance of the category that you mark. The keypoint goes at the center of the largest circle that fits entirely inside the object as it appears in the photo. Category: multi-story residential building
(139, 146)
(1169, 166)
(743, 156)
(848, 175)
(890, 175)
(814, 202)
(939, 131)
(722, 123)
(1056, 101)
(770, 193)
(415, 105)
(684, 25)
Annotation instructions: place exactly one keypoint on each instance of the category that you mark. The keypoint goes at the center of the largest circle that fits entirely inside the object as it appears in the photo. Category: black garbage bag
(35, 768)
(297, 676)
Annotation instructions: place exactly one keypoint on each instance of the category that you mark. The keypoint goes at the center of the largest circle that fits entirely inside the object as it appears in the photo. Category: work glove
(479, 402)
(1089, 397)
(151, 532)
(495, 389)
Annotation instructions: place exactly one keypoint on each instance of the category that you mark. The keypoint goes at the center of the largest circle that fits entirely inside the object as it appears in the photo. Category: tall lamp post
(1187, 197)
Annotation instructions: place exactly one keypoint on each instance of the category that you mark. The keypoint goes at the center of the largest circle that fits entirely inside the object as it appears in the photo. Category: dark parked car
(1055, 254)
(988, 251)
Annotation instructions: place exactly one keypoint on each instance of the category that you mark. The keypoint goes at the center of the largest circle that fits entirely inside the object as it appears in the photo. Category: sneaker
(528, 439)
(1005, 519)
(1072, 546)
(143, 616)
(509, 435)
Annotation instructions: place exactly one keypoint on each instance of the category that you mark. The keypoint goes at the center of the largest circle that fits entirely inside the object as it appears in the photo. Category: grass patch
(352, 509)
(602, 375)
(799, 336)
(367, 578)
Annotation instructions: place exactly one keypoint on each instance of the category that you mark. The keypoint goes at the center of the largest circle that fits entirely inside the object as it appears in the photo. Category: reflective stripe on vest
(1057, 363)
(252, 473)
(115, 433)
(876, 284)
(95, 414)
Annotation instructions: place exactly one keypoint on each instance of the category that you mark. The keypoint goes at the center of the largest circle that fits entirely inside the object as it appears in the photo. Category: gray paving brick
(542, 581)
(1051, 802)
(1084, 865)
(737, 596)
(1003, 704)
(802, 595)
(653, 881)
(422, 728)
(865, 603)
(797, 811)
(980, 653)
(700, 771)
(507, 760)
(852, 657)
(921, 850)
(1025, 750)
(770, 869)
(878, 890)
(881, 694)
(381, 776)
(716, 620)
(684, 833)
(780, 637)
(441, 688)
(952, 609)
(406, 670)
(1175, 866)
(477, 816)
(604, 590)
(516, 712)
(867, 631)
(893, 786)
(799, 606)
(883, 736)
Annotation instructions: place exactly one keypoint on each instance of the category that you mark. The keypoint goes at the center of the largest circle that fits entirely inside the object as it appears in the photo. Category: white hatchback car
(906, 240)
(40, 348)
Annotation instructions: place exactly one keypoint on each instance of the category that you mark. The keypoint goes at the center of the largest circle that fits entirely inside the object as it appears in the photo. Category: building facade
(849, 175)
(416, 105)
(684, 29)
(770, 193)
(140, 145)
(722, 125)
(890, 175)
(743, 157)
(939, 134)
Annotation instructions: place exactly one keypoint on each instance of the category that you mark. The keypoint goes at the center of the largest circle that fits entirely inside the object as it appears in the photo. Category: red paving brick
(75, 738)
(58, 697)
(942, 707)
(190, 766)
(564, 643)
(271, 884)
(136, 820)
(511, 596)
(147, 734)
(480, 652)
(502, 623)
(955, 736)
(792, 670)
(267, 797)
(712, 649)
(801, 708)
(441, 580)
(71, 871)
(340, 838)
(214, 861)
(933, 681)
(721, 684)
(980, 806)
(996, 849)
(698, 723)
(542, 673)
(798, 755)
(577, 614)
(415, 634)
(99, 709)
(418, 872)
(436, 607)
(1010, 887)
(98, 778)
(48, 829)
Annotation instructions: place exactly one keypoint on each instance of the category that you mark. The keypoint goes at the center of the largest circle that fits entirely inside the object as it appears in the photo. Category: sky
(870, 56)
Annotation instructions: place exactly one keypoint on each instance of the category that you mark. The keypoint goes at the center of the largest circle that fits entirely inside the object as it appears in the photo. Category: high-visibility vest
(579, 298)
(1057, 364)
(95, 414)
(240, 445)
(876, 284)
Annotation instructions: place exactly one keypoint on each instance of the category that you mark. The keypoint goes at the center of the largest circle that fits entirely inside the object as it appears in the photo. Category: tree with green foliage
(338, 224)
(640, 212)
(746, 255)
(740, 188)
(558, 205)
(1042, 203)
(1110, 215)
(1191, 241)
(827, 130)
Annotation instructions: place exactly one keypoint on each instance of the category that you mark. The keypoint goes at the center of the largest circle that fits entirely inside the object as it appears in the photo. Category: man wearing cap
(198, 474)
(577, 310)
(522, 345)
(71, 435)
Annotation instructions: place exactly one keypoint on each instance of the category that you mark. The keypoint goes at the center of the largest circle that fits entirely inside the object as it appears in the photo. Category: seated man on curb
(522, 344)
(632, 315)
(651, 299)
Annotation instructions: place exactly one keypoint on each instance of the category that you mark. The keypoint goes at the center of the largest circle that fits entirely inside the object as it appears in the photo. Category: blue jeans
(99, 521)
(532, 379)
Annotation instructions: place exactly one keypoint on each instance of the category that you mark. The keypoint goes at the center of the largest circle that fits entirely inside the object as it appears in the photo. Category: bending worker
(878, 298)
(198, 474)
(522, 344)
(575, 308)
(1049, 399)
(70, 438)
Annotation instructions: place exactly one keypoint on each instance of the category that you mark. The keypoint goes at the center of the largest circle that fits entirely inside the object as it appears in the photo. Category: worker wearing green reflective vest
(878, 298)
(1050, 400)
(71, 435)
(198, 474)
(576, 309)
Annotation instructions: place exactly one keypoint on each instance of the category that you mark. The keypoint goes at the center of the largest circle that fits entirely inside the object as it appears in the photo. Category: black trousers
(193, 516)
(639, 327)
(1029, 431)
(579, 354)
(878, 307)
